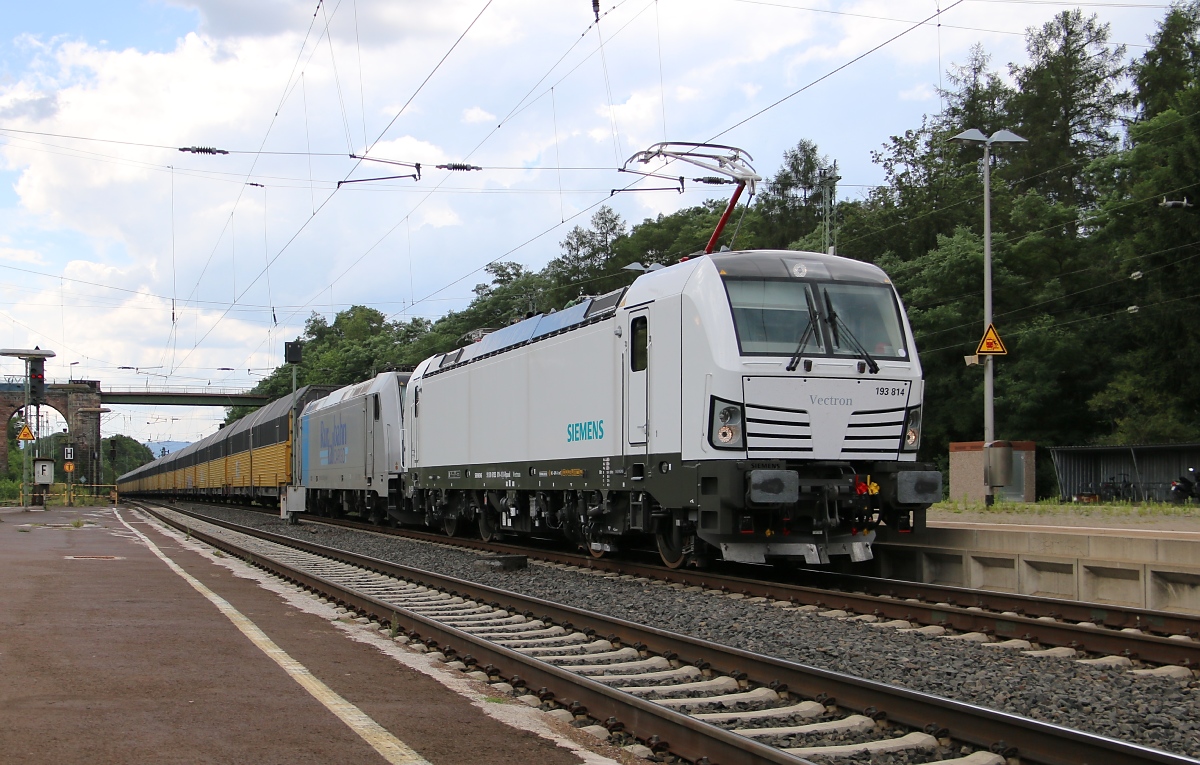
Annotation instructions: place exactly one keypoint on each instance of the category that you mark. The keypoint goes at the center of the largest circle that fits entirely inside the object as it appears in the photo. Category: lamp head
(970, 136)
(1006, 136)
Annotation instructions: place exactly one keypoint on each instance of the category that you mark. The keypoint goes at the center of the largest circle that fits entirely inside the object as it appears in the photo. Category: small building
(966, 473)
(1138, 473)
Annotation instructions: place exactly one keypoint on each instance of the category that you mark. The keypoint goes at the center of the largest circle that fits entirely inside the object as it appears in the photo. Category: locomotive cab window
(639, 342)
(376, 400)
(773, 317)
(871, 315)
(776, 318)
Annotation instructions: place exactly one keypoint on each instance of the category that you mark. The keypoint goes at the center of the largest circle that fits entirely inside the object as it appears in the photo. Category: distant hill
(171, 446)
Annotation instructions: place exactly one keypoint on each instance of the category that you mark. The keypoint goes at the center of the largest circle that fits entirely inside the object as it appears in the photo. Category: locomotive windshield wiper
(814, 316)
(834, 322)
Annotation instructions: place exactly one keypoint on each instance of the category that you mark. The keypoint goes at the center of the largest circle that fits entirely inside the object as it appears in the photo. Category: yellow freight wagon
(248, 459)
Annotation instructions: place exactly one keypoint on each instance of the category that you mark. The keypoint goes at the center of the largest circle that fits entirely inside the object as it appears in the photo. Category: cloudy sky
(118, 250)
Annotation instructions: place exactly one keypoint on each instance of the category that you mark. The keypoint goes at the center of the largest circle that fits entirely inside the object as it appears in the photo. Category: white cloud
(15, 255)
(438, 216)
(919, 92)
(750, 90)
(475, 114)
(406, 148)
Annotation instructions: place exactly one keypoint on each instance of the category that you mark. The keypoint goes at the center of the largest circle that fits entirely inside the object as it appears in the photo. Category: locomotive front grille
(776, 429)
(874, 434)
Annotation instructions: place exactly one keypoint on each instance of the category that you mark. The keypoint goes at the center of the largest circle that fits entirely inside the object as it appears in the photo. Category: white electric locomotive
(753, 406)
(349, 450)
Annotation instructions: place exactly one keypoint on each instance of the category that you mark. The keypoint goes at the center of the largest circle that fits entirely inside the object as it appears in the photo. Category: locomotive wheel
(671, 548)
(451, 524)
(597, 554)
(488, 527)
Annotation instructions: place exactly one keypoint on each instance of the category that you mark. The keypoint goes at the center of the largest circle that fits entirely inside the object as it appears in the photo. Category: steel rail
(1031, 740)
(954, 607)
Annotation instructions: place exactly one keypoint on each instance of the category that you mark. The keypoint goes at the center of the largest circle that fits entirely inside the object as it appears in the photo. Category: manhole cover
(92, 557)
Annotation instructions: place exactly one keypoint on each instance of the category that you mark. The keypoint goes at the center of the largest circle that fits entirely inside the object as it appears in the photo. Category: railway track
(1153, 637)
(703, 702)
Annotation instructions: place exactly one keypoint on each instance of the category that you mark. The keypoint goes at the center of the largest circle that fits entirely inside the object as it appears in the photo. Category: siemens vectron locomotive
(754, 406)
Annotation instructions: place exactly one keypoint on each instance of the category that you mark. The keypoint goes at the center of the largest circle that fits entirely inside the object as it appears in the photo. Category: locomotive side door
(414, 425)
(637, 377)
(369, 431)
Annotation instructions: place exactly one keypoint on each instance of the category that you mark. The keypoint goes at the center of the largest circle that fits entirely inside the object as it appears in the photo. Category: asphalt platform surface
(119, 660)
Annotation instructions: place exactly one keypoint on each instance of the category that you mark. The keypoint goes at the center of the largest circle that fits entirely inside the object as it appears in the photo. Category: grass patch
(495, 700)
(1046, 507)
(24, 530)
(78, 523)
(218, 553)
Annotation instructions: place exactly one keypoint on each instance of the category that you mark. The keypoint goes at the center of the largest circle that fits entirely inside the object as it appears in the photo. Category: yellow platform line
(393, 749)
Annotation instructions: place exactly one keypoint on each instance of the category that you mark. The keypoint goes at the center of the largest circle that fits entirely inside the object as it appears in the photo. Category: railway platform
(1151, 568)
(113, 650)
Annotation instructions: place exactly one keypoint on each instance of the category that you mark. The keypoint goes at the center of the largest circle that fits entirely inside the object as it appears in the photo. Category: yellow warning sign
(25, 435)
(69, 467)
(991, 344)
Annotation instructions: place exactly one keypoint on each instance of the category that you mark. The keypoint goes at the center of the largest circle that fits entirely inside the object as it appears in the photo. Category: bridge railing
(213, 389)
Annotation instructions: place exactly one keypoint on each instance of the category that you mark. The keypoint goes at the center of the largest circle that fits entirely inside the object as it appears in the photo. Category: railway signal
(37, 381)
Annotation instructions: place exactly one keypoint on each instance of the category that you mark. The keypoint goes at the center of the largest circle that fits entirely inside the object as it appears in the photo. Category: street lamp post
(977, 137)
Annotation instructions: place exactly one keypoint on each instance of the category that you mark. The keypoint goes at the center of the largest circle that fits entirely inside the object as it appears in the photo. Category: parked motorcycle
(1187, 487)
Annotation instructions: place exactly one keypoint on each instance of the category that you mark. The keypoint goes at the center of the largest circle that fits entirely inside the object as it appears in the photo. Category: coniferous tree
(1171, 64)
(1068, 103)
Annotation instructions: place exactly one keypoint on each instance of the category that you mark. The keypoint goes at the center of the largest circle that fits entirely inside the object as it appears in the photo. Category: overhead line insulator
(202, 150)
(458, 166)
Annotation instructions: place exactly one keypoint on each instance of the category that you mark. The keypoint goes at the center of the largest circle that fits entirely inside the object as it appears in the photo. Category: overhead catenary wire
(337, 81)
(362, 99)
(612, 109)
(288, 87)
(333, 193)
(875, 17)
(512, 113)
(835, 70)
(662, 88)
(742, 122)
(1092, 288)
(840, 68)
(562, 215)
(1119, 312)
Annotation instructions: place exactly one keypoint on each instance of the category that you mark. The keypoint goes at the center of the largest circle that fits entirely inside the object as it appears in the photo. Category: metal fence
(1139, 473)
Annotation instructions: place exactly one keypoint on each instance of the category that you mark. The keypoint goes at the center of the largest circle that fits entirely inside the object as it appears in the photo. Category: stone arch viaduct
(80, 403)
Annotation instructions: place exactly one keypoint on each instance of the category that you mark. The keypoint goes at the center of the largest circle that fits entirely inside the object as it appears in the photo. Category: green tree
(1068, 103)
(130, 455)
(789, 206)
(1172, 63)
(977, 98)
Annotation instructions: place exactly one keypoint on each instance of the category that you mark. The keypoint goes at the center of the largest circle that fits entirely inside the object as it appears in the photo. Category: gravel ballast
(1158, 712)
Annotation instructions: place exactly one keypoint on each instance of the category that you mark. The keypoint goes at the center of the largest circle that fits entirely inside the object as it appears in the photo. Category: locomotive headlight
(725, 425)
(912, 431)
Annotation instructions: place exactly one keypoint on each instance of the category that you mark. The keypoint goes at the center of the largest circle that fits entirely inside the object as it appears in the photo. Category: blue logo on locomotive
(334, 443)
(592, 430)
